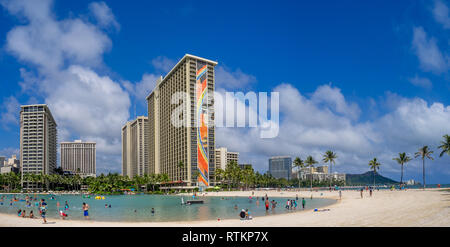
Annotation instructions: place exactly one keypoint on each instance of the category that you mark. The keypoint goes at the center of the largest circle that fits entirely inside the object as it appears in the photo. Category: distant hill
(367, 179)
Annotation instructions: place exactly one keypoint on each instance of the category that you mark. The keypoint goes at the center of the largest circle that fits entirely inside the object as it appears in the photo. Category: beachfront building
(183, 132)
(38, 141)
(245, 166)
(281, 167)
(79, 158)
(135, 158)
(224, 157)
(9, 165)
(319, 173)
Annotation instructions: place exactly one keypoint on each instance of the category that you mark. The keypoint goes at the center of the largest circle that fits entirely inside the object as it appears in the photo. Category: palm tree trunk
(330, 173)
(401, 178)
(374, 178)
(311, 177)
(423, 165)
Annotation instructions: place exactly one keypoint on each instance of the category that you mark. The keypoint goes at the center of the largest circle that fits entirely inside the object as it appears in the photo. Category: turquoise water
(137, 208)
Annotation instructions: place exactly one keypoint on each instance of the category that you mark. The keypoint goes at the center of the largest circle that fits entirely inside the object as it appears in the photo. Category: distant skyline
(364, 79)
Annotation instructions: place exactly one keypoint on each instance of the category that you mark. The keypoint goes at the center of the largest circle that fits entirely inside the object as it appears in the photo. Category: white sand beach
(415, 208)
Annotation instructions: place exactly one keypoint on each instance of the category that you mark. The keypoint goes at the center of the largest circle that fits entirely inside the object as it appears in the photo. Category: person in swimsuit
(85, 210)
(43, 209)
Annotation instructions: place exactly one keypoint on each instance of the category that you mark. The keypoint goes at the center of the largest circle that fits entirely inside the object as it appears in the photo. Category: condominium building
(319, 173)
(189, 137)
(13, 161)
(281, 167)
(38, 140)
(245, 166)
(9, 165)
(135, 147)
(224, 157)
(79, 158)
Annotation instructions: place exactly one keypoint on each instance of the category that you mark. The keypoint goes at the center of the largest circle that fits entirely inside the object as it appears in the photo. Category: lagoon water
(167, 207)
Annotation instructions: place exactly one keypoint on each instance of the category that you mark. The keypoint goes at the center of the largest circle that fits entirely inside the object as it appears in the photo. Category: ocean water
(137, 208)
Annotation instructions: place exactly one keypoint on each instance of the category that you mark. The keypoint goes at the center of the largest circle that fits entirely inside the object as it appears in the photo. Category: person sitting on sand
(19, 213)
(63, 215)
(31, 214)
(24, 213)
(242, 214)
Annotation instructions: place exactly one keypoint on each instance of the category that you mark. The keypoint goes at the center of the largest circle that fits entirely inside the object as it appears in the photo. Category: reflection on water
(137, 208)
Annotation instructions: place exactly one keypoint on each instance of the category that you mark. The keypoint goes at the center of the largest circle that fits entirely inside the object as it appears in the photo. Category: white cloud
(441, 15)
(310, 127)
(63, 55)
(163, 64)
(232, 80)
(10, 112)
(8, 152)
(428, 52)
(334, 98)
(104, 15)
(142, 88)
(421, 82)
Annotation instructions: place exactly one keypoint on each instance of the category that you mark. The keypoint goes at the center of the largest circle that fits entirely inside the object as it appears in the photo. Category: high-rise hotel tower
(79, 158)
(135, 147)
(185, 153)
(38, 140)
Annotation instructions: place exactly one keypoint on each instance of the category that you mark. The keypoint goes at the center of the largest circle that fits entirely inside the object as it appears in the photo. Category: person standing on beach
(85, 210)
(362, 193)
(43, 210)
(267, 204)
(340, 194)
(370, 191)
(303, 203)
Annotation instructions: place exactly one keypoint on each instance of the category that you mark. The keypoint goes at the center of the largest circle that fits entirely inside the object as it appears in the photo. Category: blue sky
(376, 72)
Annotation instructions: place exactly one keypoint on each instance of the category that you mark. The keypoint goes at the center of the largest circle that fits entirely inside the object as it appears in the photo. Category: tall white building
(79, 157)
(38, 141)
(223, 157)
(189, 140)
(135, 147)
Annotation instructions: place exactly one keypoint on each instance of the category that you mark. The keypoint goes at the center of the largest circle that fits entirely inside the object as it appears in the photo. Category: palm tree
(374, 165)
(329, 157)
(424, 152)
(310, 161)
(299, 164)
(401, 160)
(219, 174)
(445, 146)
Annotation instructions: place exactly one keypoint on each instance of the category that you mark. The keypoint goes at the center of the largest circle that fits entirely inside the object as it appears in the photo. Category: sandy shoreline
(385, 208)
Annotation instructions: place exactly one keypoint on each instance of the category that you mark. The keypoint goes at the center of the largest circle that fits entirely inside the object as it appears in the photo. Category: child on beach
(85, 210)
(63, 215)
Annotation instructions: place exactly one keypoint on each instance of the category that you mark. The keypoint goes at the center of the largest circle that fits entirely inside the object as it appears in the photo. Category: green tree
(445, 146)
(310, 161)
(299, 164)
(330, 157)
(402, 159)
(374, 165)
(424, 152)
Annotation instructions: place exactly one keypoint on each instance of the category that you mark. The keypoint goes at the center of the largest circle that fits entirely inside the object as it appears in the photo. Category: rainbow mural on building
(202, 127)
